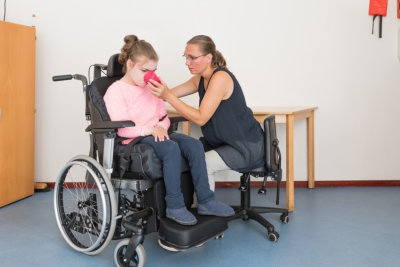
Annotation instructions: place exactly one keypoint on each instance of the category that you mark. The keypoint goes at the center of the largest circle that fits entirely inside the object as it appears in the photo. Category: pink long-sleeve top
(135, 103)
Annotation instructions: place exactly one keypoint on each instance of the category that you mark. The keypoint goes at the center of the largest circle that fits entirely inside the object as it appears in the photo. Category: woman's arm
(187, 88)
(220, 87)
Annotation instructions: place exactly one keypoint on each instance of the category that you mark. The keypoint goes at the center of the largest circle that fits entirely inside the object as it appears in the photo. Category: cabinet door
(17, 104)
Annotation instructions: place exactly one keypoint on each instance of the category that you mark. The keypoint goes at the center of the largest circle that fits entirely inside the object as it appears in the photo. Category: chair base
(246, 212)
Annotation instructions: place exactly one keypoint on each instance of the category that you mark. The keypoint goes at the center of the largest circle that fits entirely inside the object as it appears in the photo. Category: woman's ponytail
(218, 60)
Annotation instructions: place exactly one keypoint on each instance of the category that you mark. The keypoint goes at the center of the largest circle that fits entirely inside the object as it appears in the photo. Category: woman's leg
(214, 164)
(193, 151)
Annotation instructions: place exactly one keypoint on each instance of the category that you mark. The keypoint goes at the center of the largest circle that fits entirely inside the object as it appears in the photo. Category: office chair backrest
(271, 144)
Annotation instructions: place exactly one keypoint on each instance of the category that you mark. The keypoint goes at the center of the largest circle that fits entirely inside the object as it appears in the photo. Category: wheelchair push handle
(65, 77)
(58, 78)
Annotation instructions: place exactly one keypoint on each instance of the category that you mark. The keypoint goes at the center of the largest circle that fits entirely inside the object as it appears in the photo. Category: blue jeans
(170, 153)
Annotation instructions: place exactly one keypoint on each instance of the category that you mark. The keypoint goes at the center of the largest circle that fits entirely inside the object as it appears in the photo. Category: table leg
(310, 150)
(289, 163)
(186, 127)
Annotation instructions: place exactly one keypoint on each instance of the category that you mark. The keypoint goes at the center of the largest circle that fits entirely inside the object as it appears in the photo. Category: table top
(281, 110)
(263, 110)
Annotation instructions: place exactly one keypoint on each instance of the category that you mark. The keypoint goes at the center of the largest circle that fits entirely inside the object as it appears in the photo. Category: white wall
(315, 52)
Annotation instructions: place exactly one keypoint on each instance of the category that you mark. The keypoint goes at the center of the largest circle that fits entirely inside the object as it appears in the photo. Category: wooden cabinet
(17, 114)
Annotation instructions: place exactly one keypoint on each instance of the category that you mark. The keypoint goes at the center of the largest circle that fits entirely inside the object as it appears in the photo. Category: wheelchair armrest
(109, 125)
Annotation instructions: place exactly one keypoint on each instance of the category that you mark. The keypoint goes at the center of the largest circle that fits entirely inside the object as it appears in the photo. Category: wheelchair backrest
(99, 86)
(96, 91)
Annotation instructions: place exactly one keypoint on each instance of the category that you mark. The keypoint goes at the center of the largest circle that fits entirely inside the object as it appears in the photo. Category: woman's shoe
(215, 208)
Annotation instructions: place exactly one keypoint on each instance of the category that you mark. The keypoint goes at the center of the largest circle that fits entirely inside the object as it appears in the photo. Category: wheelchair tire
(85, 205)
(138, 259)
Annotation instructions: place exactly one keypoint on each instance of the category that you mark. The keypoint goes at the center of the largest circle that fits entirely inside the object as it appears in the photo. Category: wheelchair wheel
(85, 206)
(137, 260)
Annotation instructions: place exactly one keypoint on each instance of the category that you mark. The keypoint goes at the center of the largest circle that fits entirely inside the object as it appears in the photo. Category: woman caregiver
(233, 139)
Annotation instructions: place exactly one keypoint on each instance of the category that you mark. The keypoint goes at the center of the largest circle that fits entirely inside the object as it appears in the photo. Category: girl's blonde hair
(135, 48)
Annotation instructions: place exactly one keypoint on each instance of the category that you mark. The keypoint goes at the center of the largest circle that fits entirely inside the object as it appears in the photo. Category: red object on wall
(398, 9)
(378, 7)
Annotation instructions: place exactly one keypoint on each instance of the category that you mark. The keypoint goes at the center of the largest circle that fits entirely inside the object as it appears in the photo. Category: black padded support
(154, 197)
(114, 68)
(182, 237)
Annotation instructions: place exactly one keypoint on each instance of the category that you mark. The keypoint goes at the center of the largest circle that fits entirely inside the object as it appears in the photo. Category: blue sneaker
(181, 216)
(215, 208)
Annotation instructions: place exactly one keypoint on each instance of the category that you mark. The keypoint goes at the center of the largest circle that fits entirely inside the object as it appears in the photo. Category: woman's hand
(159, 133)
(160, 90)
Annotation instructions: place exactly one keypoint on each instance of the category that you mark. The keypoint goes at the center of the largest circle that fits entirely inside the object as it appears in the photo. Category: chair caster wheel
(284, 218)
(262, 191)
(245, 217)
(220, 236)
(273, 236)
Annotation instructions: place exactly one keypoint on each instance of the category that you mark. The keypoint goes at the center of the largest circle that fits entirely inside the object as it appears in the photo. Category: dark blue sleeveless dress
(233, 132)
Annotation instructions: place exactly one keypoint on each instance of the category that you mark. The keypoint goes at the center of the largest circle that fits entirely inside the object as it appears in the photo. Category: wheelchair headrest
(114, 68)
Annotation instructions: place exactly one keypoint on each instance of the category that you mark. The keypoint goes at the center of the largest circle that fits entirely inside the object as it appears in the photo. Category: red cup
(151, 75)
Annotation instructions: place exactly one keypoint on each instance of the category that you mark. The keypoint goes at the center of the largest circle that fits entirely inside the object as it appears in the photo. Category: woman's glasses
(191, 58)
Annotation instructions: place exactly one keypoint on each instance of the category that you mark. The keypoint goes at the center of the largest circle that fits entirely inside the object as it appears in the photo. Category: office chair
(272, 168)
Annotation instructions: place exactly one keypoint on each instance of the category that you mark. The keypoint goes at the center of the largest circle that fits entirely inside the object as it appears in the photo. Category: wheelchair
(123, 198)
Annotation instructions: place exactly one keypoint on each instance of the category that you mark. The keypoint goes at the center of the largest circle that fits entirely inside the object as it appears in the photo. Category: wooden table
(286, 115)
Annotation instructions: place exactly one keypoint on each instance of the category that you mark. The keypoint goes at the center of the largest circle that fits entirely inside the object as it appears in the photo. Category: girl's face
(195, 60)
(136, 71)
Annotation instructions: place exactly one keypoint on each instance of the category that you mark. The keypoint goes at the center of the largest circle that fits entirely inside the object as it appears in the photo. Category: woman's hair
(135, 48)
(207, 46)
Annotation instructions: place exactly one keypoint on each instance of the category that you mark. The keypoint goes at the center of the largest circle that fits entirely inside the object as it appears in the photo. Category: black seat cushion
(143, 161)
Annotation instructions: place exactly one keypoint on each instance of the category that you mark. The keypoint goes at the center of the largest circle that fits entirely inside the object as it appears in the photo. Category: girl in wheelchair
(131, 99)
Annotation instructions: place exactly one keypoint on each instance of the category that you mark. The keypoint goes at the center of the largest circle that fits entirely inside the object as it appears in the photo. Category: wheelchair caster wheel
(273, 236)
(284, 218)
(220, 236)
(138, 258)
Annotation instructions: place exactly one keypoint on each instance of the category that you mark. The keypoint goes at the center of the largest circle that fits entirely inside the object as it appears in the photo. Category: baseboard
(359, 183)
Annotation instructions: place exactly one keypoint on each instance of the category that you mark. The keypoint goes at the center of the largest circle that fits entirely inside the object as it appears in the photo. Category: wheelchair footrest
(182, 237)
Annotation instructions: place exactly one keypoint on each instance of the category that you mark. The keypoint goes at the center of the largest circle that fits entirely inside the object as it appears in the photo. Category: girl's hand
(160, 134)
(160, 90)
